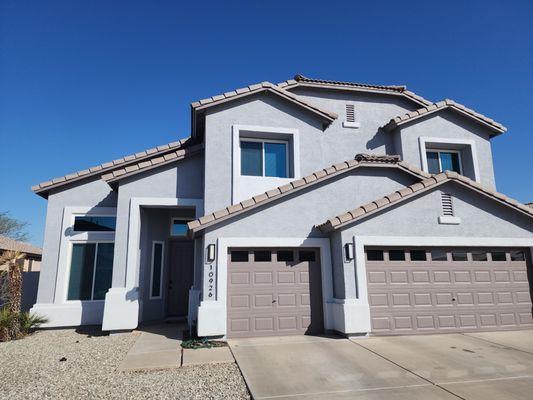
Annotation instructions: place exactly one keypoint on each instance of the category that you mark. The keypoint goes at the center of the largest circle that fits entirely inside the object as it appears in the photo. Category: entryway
(180, 276)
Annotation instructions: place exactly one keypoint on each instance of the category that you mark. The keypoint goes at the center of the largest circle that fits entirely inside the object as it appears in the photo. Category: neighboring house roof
(398, 90)
(43, 188)
(529, 204)
(325, 115)
(153, 162)
(7, 243)
(294, 186)
(414, 190)
(442, 105)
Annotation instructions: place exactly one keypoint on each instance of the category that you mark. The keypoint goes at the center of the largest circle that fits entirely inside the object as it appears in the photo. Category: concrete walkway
(452, 366)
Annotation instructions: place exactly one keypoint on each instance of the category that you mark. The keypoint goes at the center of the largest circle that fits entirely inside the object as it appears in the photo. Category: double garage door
(448, 290)
(274, 292)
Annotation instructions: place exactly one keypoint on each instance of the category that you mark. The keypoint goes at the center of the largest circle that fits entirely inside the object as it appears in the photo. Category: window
(518, 255)
(479, 255)
(264, 158)
(286, 255)
(239, 256)
(157, 269)
(88, 223)
(179, 227)
(459, 255)
(91, 270)
(262, 256)
(306, 255)
(396, 255)
(439, 255)
(374, 255)
(439, 161)
(498, 256)
(418, 255)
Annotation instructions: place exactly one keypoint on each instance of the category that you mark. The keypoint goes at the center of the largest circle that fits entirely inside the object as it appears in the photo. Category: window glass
(239, 256)
(286, 255)
(449, 162)
(374, 255)
(518, 255)
(276, 159)
(179, 227)
(262, 256)
(157, 268)
(306, 255)
(439, 255)
(433, 162)
(81, 271)
(396, 255)
(498, 256)
(94, 224)
(418, 255)
(459, 255)
(104, 270)
(91, 270)
(479, 255)
(251, 158)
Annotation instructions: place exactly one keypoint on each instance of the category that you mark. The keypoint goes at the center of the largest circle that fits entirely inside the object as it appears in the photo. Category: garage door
(274, 292)
(448, 290)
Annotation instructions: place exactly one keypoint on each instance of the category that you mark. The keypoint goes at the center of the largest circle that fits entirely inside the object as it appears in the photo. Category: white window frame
(428, 142)
(263, 141)
(172, 225)
(71, 246)
(92, 215)
(439, 151)
(162, 243)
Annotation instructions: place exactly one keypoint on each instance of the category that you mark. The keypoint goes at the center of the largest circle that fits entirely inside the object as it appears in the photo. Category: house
(299, 207)
(32, 260)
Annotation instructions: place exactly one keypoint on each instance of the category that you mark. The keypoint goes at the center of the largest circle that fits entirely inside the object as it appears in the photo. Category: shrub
(17, 325)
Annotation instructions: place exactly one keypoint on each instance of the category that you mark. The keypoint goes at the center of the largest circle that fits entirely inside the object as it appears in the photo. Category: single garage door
(448, 290)
(274, 292)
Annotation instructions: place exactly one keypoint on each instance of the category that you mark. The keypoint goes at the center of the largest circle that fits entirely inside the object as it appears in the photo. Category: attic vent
(447, 205)
(350, 113)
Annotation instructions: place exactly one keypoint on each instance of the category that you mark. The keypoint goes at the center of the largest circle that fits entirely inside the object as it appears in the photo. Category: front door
(181, 275)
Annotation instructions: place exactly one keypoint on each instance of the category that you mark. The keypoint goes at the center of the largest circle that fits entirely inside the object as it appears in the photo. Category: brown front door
(180, 278)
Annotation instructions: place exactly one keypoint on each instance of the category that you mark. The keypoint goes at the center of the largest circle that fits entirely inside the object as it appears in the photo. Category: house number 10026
(211, 280)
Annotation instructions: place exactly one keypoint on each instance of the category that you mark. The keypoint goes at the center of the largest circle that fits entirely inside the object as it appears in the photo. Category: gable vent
(447, 205)
(350, 113)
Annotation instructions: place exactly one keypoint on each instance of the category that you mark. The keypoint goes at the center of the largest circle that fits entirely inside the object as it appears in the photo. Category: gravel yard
(31, 369)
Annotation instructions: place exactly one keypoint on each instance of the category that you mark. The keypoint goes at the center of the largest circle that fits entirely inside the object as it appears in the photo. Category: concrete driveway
(452, 366)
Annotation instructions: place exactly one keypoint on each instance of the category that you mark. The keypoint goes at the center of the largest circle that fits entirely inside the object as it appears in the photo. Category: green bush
(17, 325)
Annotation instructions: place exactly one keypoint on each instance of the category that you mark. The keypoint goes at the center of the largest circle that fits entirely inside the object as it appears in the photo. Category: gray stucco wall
(448, 125)
(179, 180)
(91, 193)
(318, 148)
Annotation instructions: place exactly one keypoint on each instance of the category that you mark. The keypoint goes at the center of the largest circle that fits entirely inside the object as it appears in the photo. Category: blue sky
(84, 82)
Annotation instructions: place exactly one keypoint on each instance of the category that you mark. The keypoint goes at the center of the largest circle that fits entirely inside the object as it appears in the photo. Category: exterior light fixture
(211, 252)
(348, 251)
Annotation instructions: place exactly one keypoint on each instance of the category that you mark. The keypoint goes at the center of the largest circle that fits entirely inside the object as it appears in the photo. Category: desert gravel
(31, 369)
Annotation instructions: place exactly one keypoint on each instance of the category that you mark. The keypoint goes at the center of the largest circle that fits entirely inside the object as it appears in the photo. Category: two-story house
(299, 207)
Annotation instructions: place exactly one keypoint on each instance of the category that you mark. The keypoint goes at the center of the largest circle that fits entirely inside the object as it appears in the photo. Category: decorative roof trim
(442, 105)
(360, 160)
(414, 190)
(43, 187)
(398, 90)
(152, 163)
(261, 87)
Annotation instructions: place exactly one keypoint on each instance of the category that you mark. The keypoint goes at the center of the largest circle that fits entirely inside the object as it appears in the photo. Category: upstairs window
(440, 161)
(264, 158)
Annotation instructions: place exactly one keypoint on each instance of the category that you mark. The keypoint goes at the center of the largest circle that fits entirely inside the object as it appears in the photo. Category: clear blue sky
(84, 82)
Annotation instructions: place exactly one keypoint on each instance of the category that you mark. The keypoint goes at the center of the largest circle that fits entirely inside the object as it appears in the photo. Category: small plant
(17, 325)
(192, 341)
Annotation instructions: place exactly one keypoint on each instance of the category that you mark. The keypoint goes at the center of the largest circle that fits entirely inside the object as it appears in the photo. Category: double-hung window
(264, 158)
(443, 160)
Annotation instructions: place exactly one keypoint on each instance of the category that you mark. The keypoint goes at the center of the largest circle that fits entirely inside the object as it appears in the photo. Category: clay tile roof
(413, 190)
(529, 204)
(296, 185)
(395, 122)
(43, 187)
(401, 90)
(260, 87)
(7, 243)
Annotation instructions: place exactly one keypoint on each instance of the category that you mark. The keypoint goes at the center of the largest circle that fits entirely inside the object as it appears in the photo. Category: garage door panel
(273, 298)
(428, 296)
